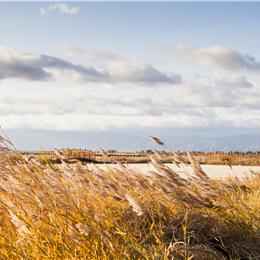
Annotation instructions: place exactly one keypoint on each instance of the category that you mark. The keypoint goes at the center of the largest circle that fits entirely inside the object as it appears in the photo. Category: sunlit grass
(67, 211)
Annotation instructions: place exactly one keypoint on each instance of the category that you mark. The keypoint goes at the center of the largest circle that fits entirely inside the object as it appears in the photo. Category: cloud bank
(123, 93)
(15, 64)
(220, 58)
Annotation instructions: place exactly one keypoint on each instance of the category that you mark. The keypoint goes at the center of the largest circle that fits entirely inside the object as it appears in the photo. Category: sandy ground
(214, 171)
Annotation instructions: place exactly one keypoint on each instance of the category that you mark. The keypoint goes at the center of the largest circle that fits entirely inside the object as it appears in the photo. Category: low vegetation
(214, 158)
(67, 211)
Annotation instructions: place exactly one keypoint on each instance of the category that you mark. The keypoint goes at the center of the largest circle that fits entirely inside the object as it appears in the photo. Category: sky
(128, 68)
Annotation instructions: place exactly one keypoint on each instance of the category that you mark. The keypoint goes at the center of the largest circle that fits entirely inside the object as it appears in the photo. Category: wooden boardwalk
(90, 156)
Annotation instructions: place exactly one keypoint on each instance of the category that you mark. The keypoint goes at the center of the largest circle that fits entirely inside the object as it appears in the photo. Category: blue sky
(81, 67)
(130, 27)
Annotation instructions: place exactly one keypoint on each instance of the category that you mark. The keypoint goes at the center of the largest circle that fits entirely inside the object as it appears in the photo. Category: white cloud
(234, 81)
(15, 64)
(71, 52)
(102, 106)
(61, 8)
(90, 122)
(218, 57)
(124, 70)
(119, 68)
(121, 93)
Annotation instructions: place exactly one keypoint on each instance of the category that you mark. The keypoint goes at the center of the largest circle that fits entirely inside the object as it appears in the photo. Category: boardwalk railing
(95, 155)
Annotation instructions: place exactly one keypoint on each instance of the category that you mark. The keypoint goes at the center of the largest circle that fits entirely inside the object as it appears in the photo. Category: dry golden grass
(68, 211)
(252, 158)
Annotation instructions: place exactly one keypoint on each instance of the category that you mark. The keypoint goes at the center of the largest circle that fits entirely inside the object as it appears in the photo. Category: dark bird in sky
(156, 140)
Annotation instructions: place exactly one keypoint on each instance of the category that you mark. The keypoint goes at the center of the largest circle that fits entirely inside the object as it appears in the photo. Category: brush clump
(72, 211)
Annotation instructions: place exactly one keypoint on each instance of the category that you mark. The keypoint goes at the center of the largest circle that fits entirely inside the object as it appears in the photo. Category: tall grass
(69, 211)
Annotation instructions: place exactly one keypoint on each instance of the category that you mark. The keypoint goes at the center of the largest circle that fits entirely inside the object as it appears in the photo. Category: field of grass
(67, 211)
